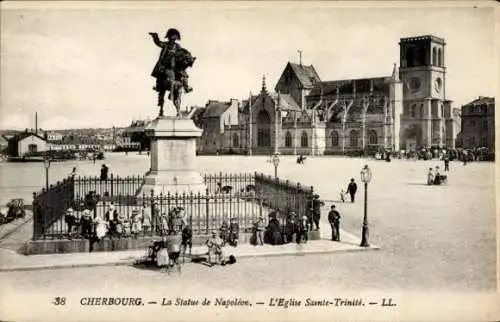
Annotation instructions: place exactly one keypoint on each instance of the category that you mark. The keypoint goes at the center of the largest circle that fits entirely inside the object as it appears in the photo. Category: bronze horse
(170, 80)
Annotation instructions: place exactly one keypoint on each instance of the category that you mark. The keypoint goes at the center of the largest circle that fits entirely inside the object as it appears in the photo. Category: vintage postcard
(248, 161)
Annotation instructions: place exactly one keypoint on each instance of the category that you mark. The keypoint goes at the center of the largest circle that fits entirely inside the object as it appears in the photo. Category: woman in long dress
(162, 259)
(146, 218)
(101, 227)
(136, 222)
(164, 224)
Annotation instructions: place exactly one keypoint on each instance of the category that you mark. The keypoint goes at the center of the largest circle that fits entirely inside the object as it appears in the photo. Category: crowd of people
(284, 228)
(460, 154)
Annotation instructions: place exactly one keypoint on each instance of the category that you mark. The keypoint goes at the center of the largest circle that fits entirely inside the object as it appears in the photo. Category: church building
(405, 110)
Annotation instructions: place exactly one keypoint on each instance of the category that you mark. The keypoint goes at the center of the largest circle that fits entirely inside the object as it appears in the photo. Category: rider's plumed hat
(173, 32)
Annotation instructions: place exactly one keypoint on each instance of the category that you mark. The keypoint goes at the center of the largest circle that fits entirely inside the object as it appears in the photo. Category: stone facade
(478, 123)
(405, 110)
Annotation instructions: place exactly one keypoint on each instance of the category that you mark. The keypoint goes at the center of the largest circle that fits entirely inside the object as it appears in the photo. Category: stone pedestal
(173, 157)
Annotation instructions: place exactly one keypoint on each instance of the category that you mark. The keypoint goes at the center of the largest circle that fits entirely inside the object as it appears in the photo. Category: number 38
(59, 301)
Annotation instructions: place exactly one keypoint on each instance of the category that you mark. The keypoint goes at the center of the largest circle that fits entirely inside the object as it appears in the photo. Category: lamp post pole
(365, 235)
(47, 179)
(276, 162)
(46, 164)
(365, 177)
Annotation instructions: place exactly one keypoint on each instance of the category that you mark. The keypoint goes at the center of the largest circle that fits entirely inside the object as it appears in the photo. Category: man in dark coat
(316, 213)
(70, 220)
(334, 220)
(291, 228)
(274, 230)
(351, 189)
(446, 159)
(104, 172)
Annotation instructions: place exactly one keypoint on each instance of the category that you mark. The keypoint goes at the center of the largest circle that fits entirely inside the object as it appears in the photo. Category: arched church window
(434, 56)
(413, 110)
(335, 138)
(440, 57)
(263, 129)
(288, 140)
(304, 142)
(236, 140)
(373, 137)
(420, 57)
(353, 138)
(410, 57)
(421, 110)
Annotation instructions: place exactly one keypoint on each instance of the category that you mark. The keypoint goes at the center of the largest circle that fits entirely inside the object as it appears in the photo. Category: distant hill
(66, 131)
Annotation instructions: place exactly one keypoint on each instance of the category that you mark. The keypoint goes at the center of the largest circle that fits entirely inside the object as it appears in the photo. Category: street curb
(131, 262)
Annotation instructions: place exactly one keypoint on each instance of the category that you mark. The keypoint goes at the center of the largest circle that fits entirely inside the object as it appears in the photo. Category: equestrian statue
(170, 69)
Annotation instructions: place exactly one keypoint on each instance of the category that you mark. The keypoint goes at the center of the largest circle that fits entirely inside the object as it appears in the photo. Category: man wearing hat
(351, 189)
(104, 172)
(316, 212)
(334, 220)
(164, 66)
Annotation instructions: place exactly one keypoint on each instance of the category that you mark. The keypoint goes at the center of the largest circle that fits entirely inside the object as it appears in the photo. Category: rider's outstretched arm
(157, 40)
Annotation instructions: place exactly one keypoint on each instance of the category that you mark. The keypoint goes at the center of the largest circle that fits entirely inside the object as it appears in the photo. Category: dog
(224, 189)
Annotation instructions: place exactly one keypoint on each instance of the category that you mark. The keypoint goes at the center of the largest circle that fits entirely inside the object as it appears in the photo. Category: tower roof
(423, 38)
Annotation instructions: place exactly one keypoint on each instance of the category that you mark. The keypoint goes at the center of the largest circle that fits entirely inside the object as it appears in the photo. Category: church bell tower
(423, 73)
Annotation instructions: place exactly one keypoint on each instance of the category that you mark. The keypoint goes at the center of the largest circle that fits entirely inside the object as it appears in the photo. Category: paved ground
(432, 239)
(12, 260)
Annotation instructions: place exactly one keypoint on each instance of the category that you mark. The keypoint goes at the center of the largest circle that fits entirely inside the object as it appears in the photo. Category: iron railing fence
(113, 187)
(251, 196)
(50, 205)
(229, 182)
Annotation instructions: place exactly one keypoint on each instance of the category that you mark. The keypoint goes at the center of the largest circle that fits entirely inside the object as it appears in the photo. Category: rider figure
(164, 67)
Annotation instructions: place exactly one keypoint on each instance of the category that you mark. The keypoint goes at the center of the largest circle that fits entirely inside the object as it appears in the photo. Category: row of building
(406, 110)
(33, 141)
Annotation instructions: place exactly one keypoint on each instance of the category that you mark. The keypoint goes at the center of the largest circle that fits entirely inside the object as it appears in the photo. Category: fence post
(35, 216)
(111, 181)
(207, 210)
(153, 213)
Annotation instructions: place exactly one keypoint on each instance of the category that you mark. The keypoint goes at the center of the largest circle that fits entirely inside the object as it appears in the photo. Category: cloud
(93, 67)
(17, 121)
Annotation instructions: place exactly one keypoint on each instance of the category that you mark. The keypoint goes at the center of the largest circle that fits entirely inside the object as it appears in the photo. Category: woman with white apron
(162, 259)
(136, 222)
(146, 218)
(101, 227)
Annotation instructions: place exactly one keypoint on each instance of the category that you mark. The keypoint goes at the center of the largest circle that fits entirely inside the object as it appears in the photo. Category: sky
(89, 65)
